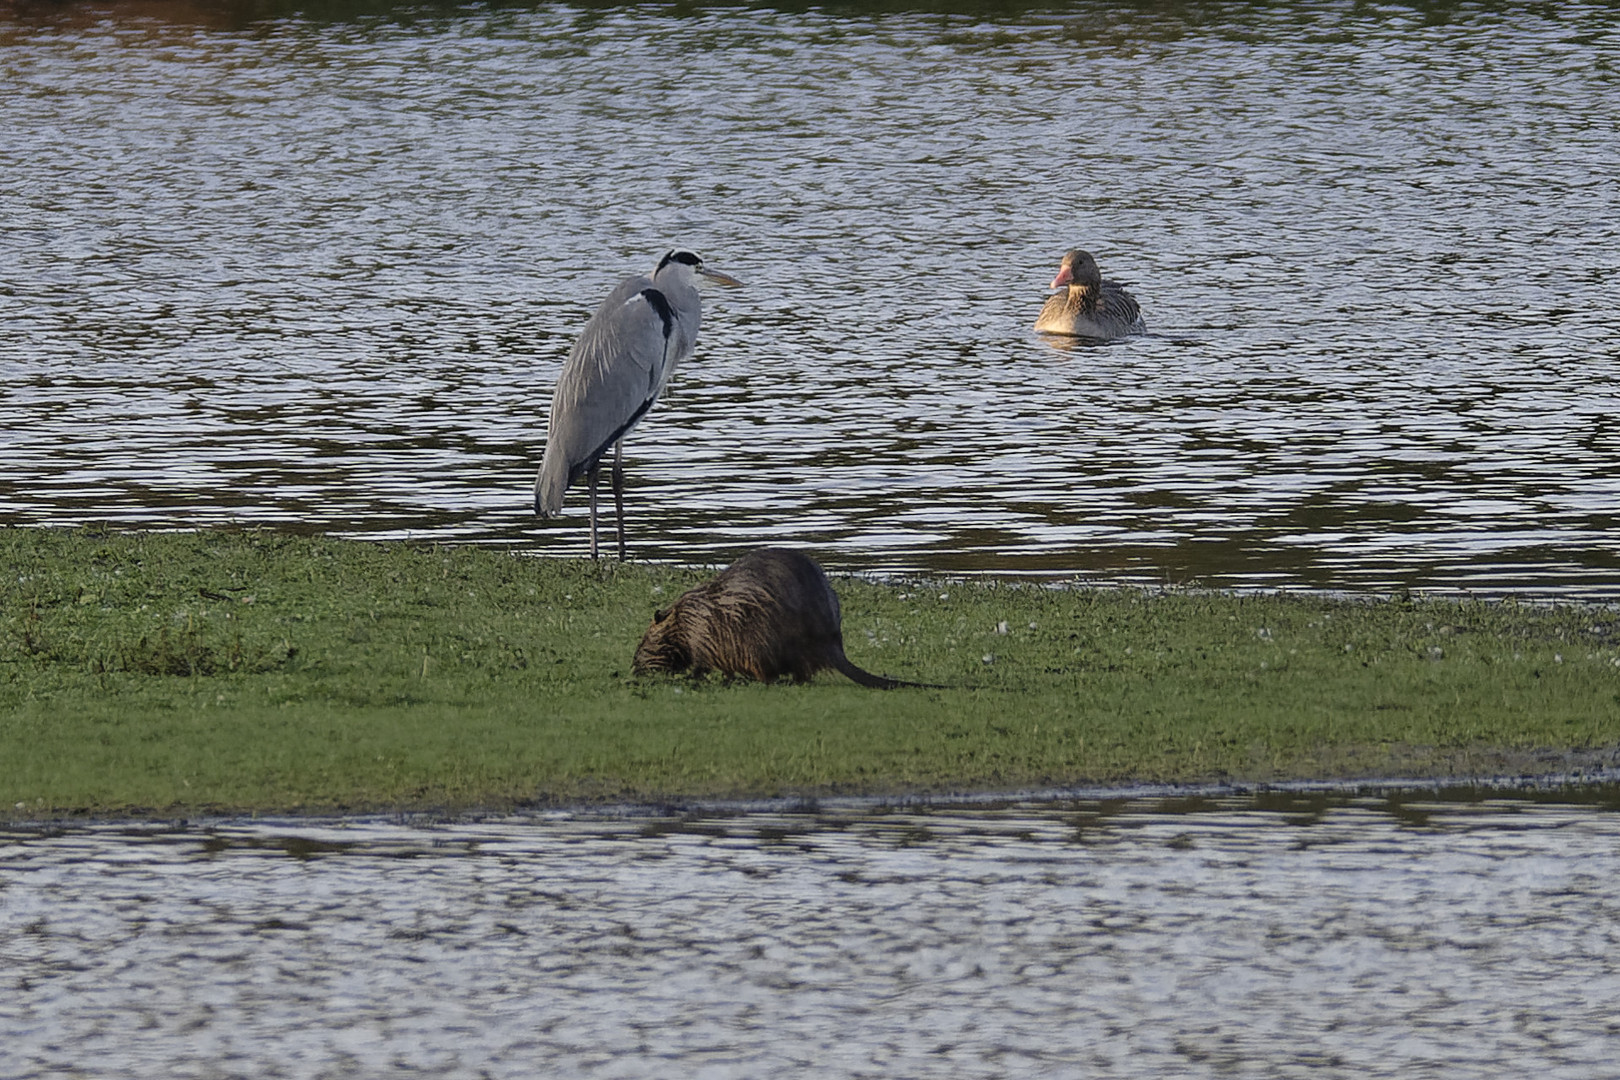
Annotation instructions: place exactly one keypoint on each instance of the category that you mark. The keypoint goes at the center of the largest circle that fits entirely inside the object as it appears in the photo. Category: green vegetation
(248, 671)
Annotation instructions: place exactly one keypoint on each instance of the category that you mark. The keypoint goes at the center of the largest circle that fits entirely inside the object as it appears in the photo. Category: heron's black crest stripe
(687, 257)
(594, 458)
(661, 305)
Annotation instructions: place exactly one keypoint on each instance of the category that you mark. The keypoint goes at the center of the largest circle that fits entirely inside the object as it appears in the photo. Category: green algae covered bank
(243, 672)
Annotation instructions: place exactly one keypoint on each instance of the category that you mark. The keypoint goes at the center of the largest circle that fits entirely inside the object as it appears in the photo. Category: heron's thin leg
(592, 479)
(618, 493)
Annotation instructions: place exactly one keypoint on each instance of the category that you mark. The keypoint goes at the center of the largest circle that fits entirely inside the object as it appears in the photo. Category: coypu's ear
(660, 615)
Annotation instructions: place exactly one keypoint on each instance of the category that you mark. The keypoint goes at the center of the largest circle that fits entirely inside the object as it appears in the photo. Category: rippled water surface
(1335, 936)
(321, 274)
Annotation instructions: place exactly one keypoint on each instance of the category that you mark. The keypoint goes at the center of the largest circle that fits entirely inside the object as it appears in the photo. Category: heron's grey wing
(612, 375)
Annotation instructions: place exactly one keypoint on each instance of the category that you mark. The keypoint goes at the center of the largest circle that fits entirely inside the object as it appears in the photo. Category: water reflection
(1385, 934)
(321, 274)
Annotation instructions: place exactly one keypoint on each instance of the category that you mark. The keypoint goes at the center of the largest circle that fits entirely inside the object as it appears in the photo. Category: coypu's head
(662, 649)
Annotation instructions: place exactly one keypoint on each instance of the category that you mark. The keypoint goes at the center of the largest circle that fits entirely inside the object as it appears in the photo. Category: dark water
(1378, 935)
(320, 273)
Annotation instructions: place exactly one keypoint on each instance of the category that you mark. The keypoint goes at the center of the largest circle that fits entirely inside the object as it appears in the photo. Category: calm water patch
(321, 275)
(1383, 934)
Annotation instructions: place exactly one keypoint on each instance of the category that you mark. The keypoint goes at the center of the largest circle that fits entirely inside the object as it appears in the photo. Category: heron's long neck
(681, 293)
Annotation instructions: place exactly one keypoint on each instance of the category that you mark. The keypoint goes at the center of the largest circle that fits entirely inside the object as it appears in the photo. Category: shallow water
(321, 274)
(1405, 934)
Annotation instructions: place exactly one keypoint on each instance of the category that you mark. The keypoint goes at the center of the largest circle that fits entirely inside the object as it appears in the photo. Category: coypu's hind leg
(618, 493)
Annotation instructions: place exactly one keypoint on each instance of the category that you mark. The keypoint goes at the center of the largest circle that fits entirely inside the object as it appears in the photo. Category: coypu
(770, 613)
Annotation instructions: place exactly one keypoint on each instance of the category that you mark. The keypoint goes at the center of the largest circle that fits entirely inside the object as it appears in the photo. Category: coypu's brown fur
(770, 613)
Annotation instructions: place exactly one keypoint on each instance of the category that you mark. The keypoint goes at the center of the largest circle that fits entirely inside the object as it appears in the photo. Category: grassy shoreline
(251, 672)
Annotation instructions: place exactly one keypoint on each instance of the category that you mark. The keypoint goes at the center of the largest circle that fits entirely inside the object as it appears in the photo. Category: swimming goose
(1088, 306)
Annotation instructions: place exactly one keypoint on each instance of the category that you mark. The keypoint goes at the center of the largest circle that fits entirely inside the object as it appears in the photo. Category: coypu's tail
(879, 682)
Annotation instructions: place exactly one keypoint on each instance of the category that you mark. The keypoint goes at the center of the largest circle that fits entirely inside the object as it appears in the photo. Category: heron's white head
(690, 263)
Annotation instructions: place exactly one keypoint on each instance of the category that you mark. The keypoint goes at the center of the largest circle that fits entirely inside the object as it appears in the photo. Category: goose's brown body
(1088, 306)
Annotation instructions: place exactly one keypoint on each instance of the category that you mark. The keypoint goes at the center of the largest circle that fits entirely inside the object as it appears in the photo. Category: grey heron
(1088, 306)
(612, 376)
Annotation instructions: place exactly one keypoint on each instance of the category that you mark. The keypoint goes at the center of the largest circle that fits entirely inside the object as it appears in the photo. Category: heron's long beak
(718, 278)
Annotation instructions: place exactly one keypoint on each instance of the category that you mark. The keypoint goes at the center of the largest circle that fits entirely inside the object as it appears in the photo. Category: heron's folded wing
(612, 374)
